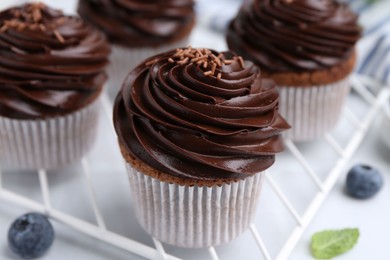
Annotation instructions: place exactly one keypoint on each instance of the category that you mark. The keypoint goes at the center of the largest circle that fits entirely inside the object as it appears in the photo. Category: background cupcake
(51, 75)
(138, 29)
(197, 129)
(308, 48)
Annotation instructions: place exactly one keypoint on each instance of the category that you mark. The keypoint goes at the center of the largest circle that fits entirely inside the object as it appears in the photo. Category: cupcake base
(123, 60)
(48, 143)
(312, 111)
(194, 216)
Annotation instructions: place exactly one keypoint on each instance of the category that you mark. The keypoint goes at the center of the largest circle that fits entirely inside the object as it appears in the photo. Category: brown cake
(197, 129)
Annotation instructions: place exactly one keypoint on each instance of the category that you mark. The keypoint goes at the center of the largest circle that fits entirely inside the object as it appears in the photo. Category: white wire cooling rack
(360, 117)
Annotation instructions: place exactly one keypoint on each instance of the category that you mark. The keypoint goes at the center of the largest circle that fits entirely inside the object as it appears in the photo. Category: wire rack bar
(284, 199)
(369, 81)
(352, 118)
(45, 190)
(92, 194)
(160, 249)
(85, 227)
(260, 242)
(333, 177)
(359, 87)
(333, 143)
(22, 201)
(301, 159)
(213, 253)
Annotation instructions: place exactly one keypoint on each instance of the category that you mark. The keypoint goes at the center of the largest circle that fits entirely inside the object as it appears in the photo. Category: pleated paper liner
(48, 143)
(194, 216)
(312, 111)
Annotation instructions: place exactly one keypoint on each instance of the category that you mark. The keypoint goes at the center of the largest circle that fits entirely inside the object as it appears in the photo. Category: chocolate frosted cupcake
(308, 48)
(197, 129)
(51, 75)
(138, 29)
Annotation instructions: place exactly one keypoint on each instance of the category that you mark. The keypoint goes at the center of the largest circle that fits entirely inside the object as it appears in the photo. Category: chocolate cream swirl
(140, 23)
(294, 35)
(199, 115)
(50, 64)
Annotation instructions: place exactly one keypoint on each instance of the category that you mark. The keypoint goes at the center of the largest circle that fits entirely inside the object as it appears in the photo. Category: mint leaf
(330, 243)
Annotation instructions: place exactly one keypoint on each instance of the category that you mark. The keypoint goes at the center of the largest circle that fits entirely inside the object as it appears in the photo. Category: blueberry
(363, 181)
(30, 235)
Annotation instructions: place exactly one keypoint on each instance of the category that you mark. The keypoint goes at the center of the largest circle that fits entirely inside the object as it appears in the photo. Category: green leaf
(330, 243)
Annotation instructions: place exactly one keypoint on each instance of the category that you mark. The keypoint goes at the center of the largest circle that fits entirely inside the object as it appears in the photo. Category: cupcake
(197, 129)
(308, 48)
(51, 76)
(138, 29)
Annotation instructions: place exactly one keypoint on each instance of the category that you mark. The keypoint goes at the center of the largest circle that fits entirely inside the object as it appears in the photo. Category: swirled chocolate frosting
(50, 64)
(140, 23)
(200, 115)
(294, 35)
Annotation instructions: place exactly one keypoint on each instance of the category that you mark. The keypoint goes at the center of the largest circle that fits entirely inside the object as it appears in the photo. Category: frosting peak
(51, 64)
(199, 115)
(294, 35)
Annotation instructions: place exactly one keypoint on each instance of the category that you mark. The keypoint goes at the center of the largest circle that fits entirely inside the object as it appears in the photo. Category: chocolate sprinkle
(204, 58)
(32, 19)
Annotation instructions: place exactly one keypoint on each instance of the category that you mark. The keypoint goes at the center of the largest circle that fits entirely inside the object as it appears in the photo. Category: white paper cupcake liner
(312, 111)
(123, 60)
(194, 217)
(48, 143)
